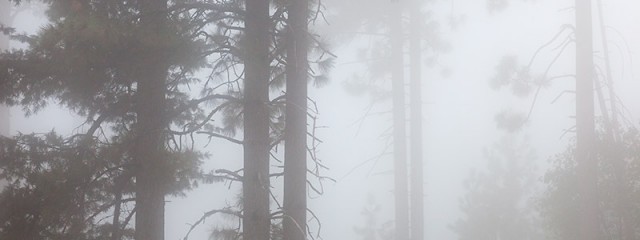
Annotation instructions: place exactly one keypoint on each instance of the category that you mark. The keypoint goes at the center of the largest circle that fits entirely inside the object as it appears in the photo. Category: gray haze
(459, 122)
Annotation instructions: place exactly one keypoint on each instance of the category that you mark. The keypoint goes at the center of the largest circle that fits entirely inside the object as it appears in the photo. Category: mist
(334, 119)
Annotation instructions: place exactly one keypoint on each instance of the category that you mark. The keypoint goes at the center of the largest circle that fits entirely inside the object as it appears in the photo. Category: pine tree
(5, 19)
(97, 60)
(401, 181)
(256, 216)
(295, 165)
(415, 95)
(585, 127)
(149, 154)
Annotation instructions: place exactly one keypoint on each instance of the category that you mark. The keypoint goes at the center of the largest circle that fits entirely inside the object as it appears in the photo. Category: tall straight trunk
(585, 132)
(255, 185)
(150, 145)
(295, 151)
(399, 125)
(417, 188)
(5, 19)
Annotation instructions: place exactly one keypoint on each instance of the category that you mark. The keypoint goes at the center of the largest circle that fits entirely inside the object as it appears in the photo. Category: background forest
(319, 119)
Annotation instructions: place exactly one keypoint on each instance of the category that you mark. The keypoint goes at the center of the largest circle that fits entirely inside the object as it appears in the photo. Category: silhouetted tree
(585, 126)
(372, 228)
(499, 202)
(587, 217)
(255, 185)
(96, 59)
(295, 155)
(618, 216)
(415, 95)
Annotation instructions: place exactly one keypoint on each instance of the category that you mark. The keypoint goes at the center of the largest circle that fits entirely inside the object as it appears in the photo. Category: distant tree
(617, 182)
(400, 166)
(499, 202)
(585, 124)
(582, 35)
(372, 228)
(6, 20)
(416, 23)
(384, 23)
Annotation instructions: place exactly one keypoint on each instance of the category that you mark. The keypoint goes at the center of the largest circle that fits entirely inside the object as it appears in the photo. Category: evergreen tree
(295, 165)
(256, 220)
(618, 216)
(100, 61)
(499, 200)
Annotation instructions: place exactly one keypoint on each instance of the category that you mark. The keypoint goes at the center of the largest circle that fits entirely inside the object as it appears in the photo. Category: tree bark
(149, 152)
(417, 188)
(399, 125)
(256, 217)
(295, 164)
(585, 132)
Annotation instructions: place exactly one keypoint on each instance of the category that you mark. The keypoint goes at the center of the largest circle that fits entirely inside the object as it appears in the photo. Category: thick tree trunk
(256, 217)
(149, 152)
(295, 164)
(399, 125)
(417, 188)
(585, 132)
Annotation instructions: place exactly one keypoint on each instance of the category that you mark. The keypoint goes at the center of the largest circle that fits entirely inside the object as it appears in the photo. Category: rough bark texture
(585, 132)
(256, 218)
(417, 186)
(149, 151)
(399, 126)
(295, 164)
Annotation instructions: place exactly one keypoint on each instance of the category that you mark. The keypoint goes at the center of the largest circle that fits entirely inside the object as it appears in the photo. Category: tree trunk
(585, 132)
(295, 165)
(417, 189)
(622, 187)
(256, 217)
(149, 152)
(5, 19)
(399, 125)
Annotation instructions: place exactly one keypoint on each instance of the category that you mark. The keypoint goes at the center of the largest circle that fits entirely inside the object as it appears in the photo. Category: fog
(468, 120)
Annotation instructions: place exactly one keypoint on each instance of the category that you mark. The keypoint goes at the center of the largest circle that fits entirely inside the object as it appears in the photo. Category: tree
(586, 150)
(585, 126)
(97, 60)
(415, 75)
(5, 19)
(255, 185)
(401, 181)
(616, 187)
(295, 165)
(372, 229)
(499, 201)
(149, 154)
(386, 19)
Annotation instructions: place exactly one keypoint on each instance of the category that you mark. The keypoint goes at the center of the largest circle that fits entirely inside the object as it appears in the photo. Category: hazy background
(459, 115)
